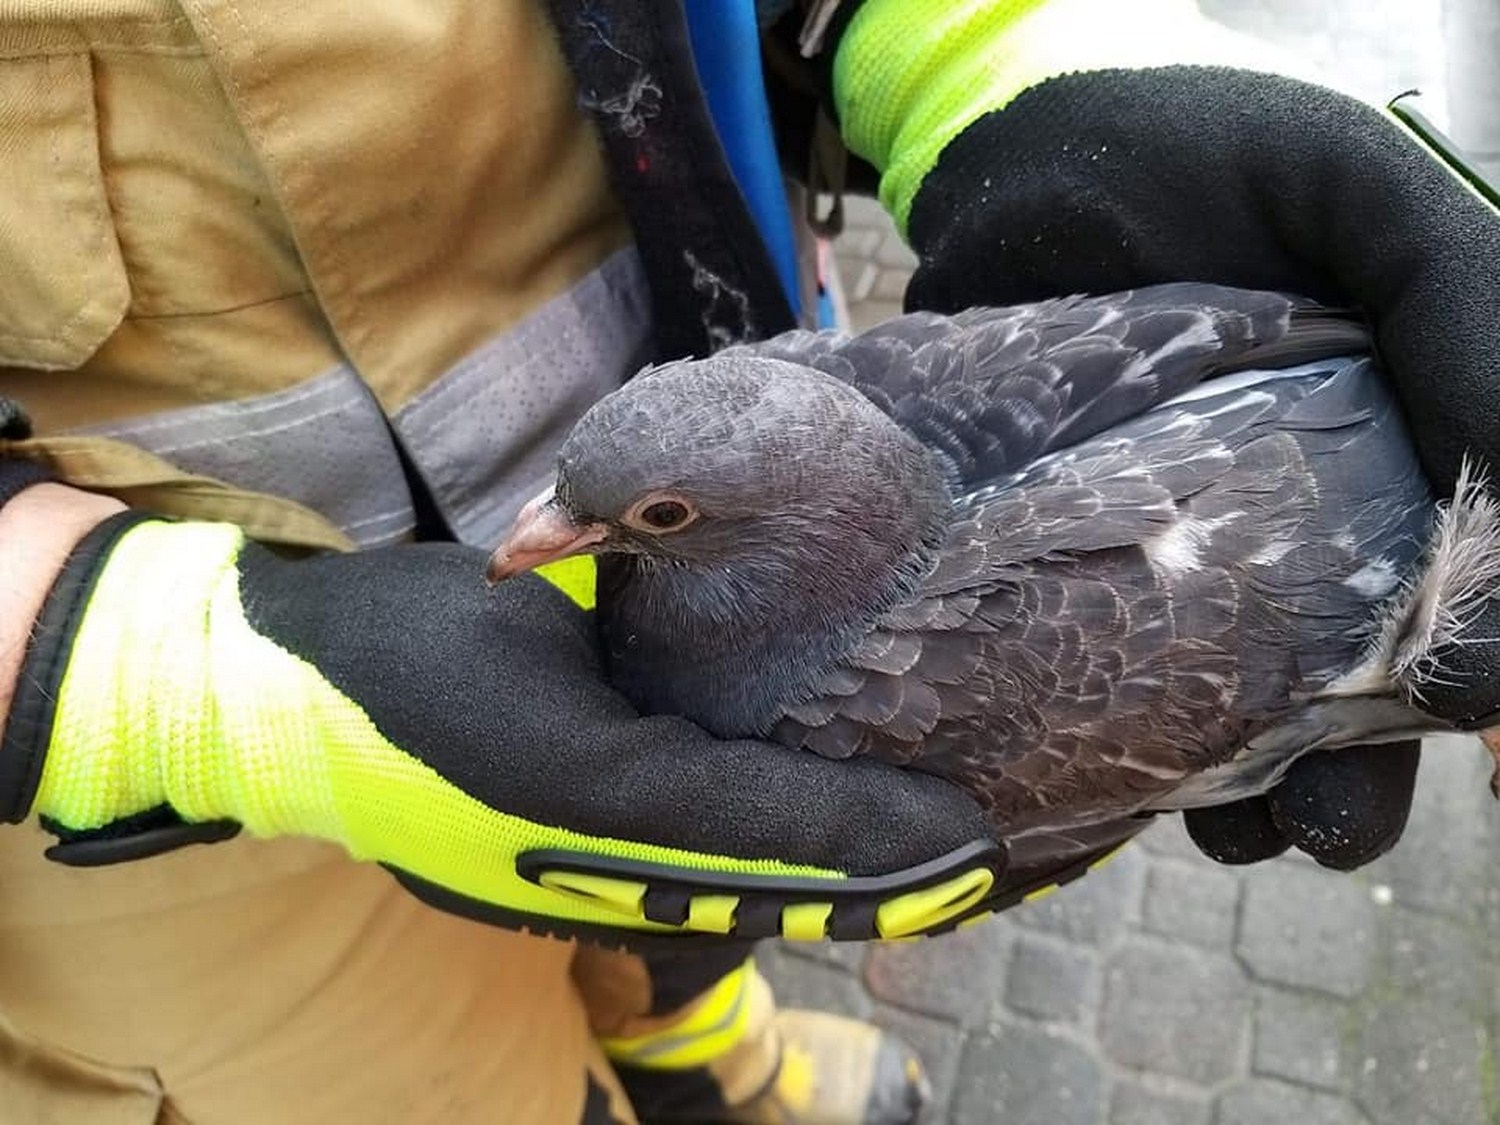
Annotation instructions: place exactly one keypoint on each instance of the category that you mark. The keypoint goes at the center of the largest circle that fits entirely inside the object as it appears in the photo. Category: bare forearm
(38, 530)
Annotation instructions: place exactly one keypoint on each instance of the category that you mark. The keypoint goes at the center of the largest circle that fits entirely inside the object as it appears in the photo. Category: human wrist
(39, 528)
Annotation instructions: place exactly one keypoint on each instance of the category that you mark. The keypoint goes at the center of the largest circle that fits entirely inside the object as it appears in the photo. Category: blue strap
(726, 49)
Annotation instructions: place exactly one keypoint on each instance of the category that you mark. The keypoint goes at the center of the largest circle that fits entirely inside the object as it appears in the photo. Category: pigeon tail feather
(1313, 334)
(1434, 614)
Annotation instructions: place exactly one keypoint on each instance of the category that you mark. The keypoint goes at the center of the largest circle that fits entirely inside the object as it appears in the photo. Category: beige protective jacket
(238, 241)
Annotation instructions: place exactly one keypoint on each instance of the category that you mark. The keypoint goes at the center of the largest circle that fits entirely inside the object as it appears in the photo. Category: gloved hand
(1025, 159)
(183, 682)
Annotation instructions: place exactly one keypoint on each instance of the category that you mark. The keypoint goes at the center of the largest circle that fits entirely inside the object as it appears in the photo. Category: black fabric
(16, 475)
(15, 424)
(28, 727)
(1113, 179)
(660, 1097)
(596, 1109)
(711, 278)
(1312, 805)
(678, 977)
(1468, 694)
(797, 89)
(430, 524)
(1237, 833)
(500, 692)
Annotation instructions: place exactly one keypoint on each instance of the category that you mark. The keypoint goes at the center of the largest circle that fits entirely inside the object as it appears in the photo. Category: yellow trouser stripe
(710, 1030)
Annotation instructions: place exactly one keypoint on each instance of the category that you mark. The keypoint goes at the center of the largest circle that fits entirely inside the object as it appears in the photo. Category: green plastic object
(1442, 145)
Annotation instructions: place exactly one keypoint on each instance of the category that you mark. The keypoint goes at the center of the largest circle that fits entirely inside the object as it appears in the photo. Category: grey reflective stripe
(323, 443)
(486, 434)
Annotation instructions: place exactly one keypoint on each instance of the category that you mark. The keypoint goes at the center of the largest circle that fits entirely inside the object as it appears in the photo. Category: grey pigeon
(1088, 558)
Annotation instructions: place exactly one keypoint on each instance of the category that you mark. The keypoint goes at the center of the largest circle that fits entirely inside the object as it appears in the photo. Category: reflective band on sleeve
(323, 443)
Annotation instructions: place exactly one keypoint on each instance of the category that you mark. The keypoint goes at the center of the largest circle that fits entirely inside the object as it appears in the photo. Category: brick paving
(1165, 989)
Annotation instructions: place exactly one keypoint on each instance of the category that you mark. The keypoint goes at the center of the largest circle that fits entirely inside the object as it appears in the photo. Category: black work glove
(1107, 179)
(1253, 180)
(183, 682)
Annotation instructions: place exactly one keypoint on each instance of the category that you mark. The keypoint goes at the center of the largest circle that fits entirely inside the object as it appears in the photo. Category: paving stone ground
(1164, 989)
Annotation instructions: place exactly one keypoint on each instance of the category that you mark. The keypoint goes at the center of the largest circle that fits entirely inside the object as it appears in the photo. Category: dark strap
(17, 474)
(712, 281)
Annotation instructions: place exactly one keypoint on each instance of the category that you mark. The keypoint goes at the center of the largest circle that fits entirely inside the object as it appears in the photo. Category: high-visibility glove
(1032, 148)
(183, 682)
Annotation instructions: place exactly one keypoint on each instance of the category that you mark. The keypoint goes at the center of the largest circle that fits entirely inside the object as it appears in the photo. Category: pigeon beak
(542, 533)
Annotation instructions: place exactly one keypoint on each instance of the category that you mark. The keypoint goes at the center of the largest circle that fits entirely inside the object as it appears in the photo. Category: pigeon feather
(1088, 558)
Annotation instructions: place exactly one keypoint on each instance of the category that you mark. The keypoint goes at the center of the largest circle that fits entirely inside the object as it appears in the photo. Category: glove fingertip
(1347, 807)
(1238, 833)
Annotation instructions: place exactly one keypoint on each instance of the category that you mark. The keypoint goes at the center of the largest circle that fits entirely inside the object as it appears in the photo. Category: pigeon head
(701, 464)
(738, 497)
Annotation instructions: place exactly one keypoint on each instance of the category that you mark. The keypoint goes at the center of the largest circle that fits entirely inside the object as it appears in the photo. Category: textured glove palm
(183, 681)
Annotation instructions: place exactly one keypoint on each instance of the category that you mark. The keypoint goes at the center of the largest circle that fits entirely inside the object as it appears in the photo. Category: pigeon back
(1126, 612)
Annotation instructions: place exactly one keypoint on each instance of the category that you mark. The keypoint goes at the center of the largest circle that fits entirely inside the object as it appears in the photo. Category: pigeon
(1091, 558)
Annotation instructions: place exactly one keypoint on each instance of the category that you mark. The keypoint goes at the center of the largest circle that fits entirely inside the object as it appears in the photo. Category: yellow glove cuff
(170, 697)
(910, 76)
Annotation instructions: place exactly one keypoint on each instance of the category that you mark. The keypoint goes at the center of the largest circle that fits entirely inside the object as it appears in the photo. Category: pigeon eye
(659, 515)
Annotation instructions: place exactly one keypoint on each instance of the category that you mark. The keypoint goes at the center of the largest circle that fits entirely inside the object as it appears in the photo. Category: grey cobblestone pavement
(1164, 989)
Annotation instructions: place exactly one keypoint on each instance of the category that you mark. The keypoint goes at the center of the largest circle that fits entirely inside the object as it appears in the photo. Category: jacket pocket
(63, 288)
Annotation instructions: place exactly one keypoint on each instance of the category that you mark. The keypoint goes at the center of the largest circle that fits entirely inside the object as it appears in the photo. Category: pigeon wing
(1038, 642)
(991, 390)
(1120, 616)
